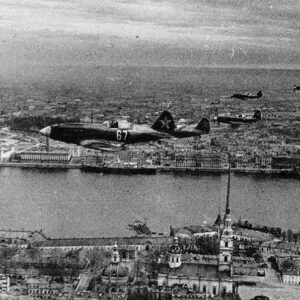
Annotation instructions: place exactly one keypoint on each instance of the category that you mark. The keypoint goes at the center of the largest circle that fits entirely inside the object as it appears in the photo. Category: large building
(137, 243)
(198, 160)
(206, 274)
(41, 288)
(116, 275)
(61, 156)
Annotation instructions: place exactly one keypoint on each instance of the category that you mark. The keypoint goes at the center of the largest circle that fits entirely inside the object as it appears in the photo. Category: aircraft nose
(45, 131)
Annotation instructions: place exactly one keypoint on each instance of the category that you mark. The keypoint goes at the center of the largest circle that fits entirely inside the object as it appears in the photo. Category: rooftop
(159, 240)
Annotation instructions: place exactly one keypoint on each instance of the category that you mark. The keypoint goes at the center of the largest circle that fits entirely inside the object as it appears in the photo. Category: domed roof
(175, 249)
(218, 221)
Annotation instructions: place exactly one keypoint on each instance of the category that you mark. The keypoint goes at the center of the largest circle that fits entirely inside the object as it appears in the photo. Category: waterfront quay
(196, 157)
(148, 170)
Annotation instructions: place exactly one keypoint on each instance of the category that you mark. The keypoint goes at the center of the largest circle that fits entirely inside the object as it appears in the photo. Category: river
(76, 204)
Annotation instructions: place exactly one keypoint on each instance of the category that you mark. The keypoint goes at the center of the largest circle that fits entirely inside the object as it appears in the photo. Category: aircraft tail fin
(259, 94)
(203, 126)
(164, 123)
(257, 115)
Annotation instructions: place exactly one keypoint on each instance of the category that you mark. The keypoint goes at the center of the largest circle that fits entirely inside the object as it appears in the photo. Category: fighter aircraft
(236, 120)
(296, 88)
(167, 124)
(247, 96)
(111, 135)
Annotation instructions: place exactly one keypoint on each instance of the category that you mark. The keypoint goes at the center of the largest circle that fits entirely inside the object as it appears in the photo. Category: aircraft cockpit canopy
(124, 124)
(120, 124)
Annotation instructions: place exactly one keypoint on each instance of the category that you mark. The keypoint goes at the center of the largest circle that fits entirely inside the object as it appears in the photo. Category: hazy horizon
(40, 36)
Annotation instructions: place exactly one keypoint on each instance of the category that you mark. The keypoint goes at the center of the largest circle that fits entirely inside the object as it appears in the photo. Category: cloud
(61, 29)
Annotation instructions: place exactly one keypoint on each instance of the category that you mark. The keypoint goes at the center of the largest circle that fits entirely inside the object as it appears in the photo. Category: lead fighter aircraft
(111, 135)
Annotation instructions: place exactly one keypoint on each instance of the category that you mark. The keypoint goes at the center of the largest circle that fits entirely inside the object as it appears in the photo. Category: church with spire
(208, 274)
(226, 238)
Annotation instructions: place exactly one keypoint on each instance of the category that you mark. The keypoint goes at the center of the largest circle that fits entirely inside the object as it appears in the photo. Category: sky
(190, 33)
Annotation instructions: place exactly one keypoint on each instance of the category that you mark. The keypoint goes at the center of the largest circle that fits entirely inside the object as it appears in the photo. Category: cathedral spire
(219, 221)
(227, 209)
(226, 240)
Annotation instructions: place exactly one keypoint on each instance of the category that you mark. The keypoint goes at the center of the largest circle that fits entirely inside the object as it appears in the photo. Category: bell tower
(115, 255)
(226, 240)
(175, 255)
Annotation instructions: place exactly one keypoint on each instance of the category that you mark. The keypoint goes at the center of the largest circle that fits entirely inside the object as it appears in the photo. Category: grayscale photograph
(150, 149)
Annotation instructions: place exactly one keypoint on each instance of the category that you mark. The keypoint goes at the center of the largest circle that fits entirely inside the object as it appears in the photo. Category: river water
(76, 204)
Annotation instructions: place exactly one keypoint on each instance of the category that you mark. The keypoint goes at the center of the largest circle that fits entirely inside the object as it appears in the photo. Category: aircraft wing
(102, 145)
(169, 140)
(235, 123)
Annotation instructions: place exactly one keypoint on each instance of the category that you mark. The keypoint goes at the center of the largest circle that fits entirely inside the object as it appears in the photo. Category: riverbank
(119, 170)
(38, 165)
(270, 172)
(150, 170)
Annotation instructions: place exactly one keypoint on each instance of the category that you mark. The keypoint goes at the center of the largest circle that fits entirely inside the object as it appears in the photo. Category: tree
(7, 253)
(288, 264)
(150, 263)
(145, 293)
(208, 245)
(289, 235)
(98, 258)
(129, 295)
(295, 237)
(168, 296)
(283, 235)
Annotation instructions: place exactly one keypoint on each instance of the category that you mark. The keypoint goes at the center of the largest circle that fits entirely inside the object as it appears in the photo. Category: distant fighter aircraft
(167, 124)
(296, 88)
(109, 136)
(247, 96)
(236, 120)
(215, 102)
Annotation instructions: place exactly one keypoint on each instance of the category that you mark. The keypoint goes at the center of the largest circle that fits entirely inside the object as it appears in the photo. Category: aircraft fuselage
(77, 133)
(235, 120)
(187, 131)
(244, 97)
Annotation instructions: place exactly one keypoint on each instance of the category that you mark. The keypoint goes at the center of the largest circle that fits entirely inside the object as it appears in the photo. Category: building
(204, 230)
(292, 276)
(42, 288)
(4, 282)
(282, 162)
(134, 243)
(244, 234)
(198, 160)
(115, 276)
(288, 248)
(246, 266)
(45, 157)
(7, 156)
(206, 274)
(289, 267)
